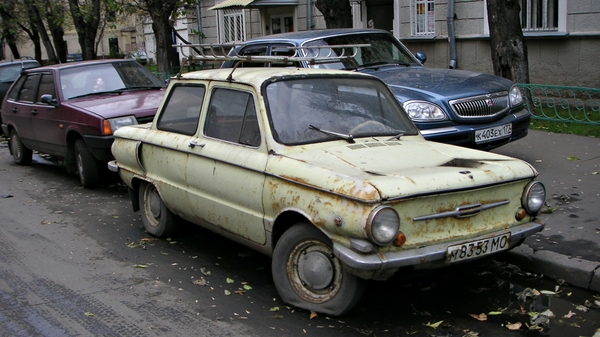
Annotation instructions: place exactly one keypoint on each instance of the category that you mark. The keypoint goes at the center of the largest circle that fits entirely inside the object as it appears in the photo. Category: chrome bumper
(420, 256)
(112, 166)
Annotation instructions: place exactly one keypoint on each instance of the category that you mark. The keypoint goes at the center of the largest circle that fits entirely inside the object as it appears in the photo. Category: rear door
(20, 108)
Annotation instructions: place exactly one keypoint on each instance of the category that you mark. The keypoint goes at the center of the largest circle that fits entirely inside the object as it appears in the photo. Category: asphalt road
(77, 262)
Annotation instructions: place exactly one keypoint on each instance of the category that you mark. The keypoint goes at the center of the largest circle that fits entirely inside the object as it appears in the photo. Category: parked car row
(322, 169)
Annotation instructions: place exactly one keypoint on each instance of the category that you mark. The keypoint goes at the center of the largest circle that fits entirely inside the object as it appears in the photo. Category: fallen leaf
(115, 216)
(204, 271)
(148, 239)
(595, 173)
(274, 309)
(132, 245)
(200, 282)
(433, 325)
(229, 280)
(572, 158)
(514, 326)
(227, 292)
(547, 292)
(481, 317)
(140, 266)
(247, 287)
(313, 315)
(494, 313)
(582, 308)
(538, 161)
(88, 314)
(569, 315)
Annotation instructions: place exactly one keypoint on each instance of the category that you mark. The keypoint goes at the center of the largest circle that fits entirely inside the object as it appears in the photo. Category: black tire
(20, 153)
(87, 166)
(156, 217)
(307, 274)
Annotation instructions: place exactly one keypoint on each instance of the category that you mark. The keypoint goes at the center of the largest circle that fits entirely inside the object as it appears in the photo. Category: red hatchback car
(71, 110)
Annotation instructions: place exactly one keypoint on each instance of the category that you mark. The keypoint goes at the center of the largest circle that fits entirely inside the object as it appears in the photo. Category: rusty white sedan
(323, 171)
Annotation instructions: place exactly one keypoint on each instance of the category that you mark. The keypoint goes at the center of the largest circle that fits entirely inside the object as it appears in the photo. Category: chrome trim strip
(463, 211)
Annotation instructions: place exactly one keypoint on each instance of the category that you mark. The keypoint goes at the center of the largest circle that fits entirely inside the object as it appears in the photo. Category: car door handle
(194, 144)
(34, 112)
(14, 110)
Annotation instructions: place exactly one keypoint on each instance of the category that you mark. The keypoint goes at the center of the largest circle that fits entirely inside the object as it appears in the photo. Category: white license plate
(486, 135)
(479, 248)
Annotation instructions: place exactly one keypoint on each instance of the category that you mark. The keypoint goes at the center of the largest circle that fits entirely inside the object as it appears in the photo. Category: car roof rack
(323, 54)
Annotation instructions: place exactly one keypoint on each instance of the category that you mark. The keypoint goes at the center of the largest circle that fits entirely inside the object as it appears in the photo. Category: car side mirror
(48, 99)
(421, 56)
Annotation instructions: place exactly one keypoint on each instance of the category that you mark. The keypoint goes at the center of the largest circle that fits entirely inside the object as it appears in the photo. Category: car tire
(307, 274)
(87, 166)
(20, 153)
(156, 217)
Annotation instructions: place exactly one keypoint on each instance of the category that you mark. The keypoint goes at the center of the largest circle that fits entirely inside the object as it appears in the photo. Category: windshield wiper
(118, 91)
(348, 138)
(397, 136)
(141, 87)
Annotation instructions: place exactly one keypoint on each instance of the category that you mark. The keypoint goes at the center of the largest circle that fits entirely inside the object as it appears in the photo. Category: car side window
(46, 87)
(181, 113)
(253, 51)
(14, 92)
(232, 117)
(29, 88)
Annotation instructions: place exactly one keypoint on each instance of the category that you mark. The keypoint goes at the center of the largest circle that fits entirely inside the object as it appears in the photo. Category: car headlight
(383, 225)
(420, 111)
(533, 197)
(113, 124)
(515, 97)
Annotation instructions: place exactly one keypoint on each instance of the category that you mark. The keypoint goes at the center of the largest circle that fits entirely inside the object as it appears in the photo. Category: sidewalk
(569, 247)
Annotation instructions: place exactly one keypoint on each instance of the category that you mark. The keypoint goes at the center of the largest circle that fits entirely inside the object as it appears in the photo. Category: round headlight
(533, 197)
(383, 226)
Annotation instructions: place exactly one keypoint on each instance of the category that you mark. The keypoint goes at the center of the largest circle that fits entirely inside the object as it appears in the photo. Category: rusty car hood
(379, 170)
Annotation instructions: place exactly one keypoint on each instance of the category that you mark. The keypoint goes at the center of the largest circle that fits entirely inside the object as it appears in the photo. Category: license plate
(479, 248)
(486, 135)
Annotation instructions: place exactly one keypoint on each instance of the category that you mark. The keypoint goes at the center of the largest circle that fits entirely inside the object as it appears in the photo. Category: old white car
(323, 171)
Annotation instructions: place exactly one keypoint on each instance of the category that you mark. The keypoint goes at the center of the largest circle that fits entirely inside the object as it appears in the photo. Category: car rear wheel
(20, 153)
(87, 166)
(307, 274)
(156, 217)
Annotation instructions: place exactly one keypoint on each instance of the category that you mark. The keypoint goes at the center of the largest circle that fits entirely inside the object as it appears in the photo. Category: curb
(578, 272)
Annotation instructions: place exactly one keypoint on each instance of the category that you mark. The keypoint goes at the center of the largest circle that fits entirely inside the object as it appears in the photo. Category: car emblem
(490, 103)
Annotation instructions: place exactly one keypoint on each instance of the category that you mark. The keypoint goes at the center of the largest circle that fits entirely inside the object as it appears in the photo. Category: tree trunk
(36, 19)
(509, 51)
(337, 13)
(86, 21)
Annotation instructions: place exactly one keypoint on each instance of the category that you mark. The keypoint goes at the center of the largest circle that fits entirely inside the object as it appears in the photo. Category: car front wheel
(307, 274)
(20, 153)
(156, 217)
(87, 167)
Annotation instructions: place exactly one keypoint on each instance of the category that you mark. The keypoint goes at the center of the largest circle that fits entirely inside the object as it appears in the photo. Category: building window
(422, 17)
(539, 15)
(282, 24)
(232, 27)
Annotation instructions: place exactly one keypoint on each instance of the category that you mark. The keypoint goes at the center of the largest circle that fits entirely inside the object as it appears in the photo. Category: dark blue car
(458, 107)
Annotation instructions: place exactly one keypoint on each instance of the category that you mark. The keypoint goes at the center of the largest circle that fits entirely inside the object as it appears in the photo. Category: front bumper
(99, 146)
(464, 134)
(420, 256)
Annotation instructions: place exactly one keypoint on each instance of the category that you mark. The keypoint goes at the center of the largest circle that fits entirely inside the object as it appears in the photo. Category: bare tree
(337, 13)
(509, 51)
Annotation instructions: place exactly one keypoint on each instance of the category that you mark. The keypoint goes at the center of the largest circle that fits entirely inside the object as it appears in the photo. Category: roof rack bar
(217, 52)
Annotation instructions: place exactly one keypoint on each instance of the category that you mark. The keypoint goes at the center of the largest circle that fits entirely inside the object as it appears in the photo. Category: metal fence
(563, 104)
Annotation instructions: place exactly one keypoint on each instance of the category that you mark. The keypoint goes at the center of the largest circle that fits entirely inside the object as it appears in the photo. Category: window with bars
(232, 24)
(422, 17)
(539, 15)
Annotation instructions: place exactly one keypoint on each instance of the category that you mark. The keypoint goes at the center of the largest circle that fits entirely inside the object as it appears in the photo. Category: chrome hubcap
(315, 270)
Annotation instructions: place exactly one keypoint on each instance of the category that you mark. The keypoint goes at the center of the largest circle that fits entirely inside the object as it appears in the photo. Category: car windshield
(383, 49)
(313, 109)
(101, 78)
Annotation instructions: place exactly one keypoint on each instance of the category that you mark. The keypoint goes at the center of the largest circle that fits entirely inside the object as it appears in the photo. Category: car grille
(481, 106)
(144, 120)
